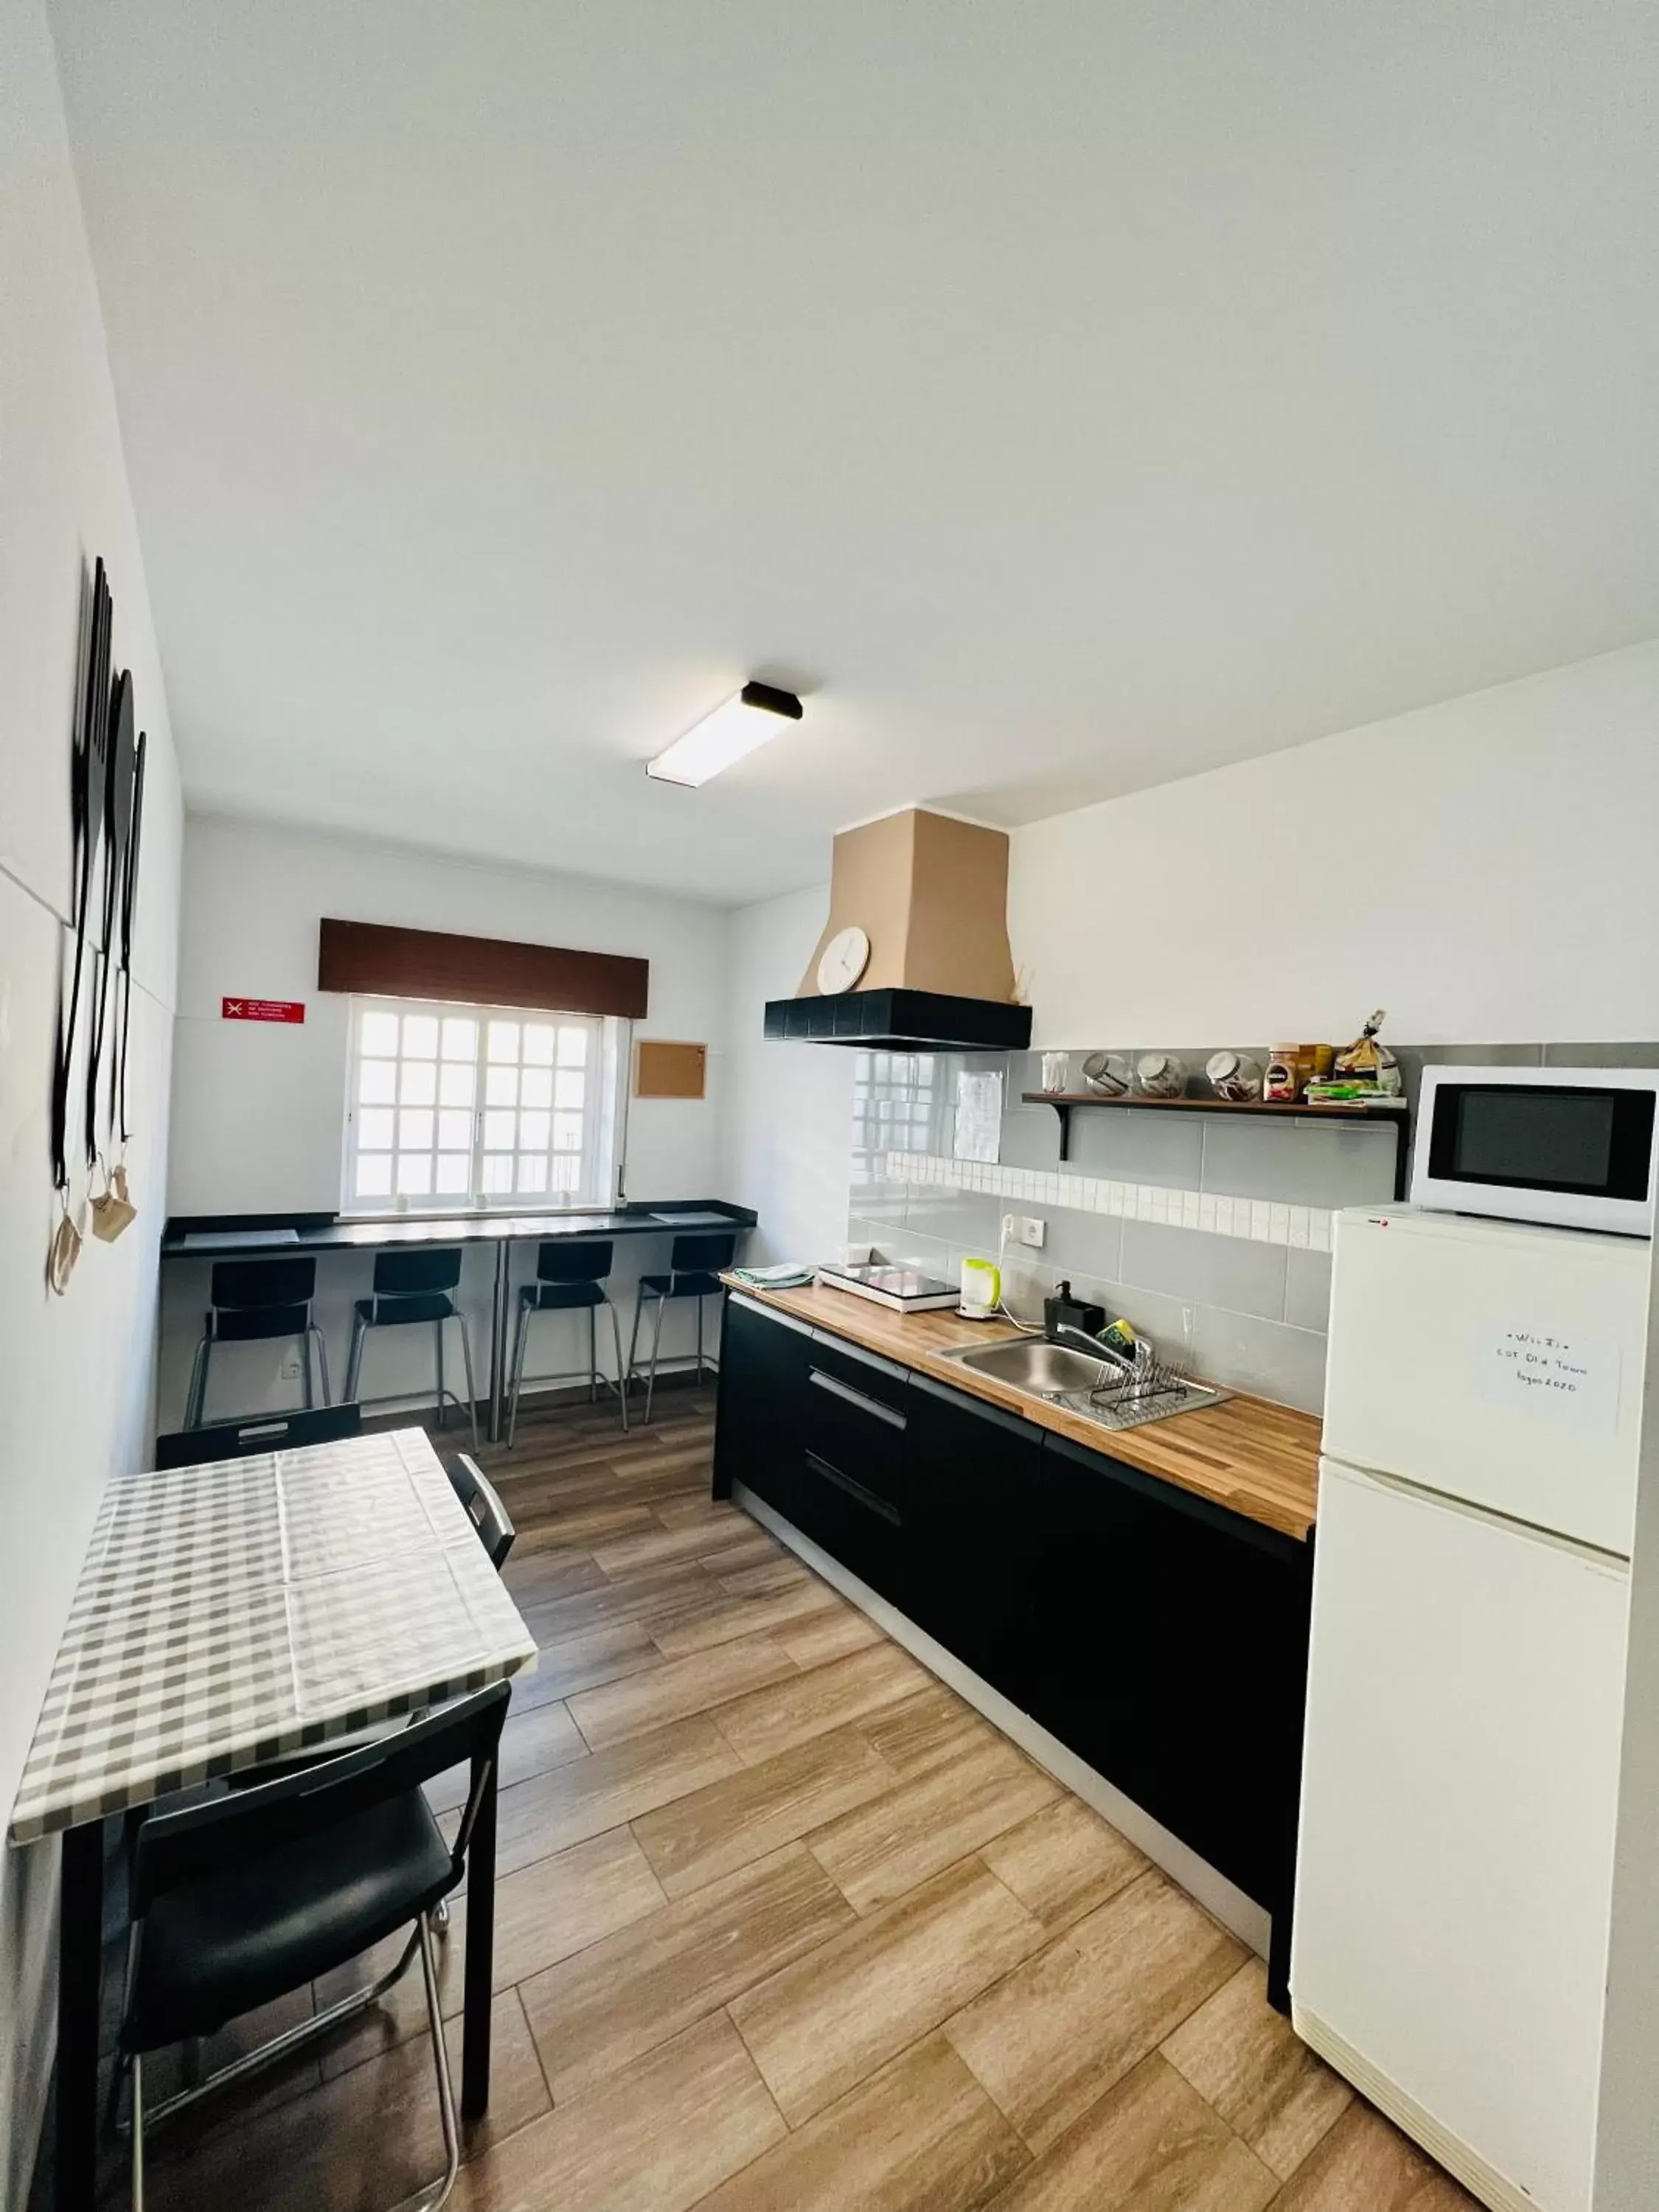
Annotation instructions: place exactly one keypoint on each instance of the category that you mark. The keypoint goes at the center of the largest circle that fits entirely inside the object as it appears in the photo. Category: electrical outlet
(1031, 1231)
(292, 1370)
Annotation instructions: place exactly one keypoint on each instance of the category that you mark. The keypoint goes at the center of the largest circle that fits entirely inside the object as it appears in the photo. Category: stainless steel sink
(1041, 1369)
(1095, 1389)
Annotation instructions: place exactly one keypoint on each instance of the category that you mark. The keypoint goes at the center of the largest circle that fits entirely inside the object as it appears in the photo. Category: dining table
(237, 1612)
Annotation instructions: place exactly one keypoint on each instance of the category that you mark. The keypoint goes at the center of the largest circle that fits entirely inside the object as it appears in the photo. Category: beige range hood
(930, 895)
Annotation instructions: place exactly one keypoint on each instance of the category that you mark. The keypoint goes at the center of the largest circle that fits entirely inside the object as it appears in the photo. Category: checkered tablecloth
(240, 1612)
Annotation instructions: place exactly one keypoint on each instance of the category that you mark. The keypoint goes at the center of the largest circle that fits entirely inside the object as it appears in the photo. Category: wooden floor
(784, 1925)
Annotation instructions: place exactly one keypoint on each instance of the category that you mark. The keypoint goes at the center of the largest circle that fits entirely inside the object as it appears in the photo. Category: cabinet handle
(854, 1490)
(844, 1391)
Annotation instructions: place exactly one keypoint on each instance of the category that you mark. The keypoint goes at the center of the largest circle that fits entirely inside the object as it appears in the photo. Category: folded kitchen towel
(786, 1276)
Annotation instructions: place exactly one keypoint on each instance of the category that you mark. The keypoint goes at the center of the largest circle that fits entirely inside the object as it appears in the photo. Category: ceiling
(1064, 398)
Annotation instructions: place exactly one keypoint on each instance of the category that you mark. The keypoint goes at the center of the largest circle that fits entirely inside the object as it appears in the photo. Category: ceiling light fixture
(736, 727)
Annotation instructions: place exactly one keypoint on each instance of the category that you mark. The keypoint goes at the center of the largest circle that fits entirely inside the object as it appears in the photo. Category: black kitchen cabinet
(974, 1477)
(817, 1430)
(1172, 1656)
(1159, 1636)
(763, 1378)
(855, 1446)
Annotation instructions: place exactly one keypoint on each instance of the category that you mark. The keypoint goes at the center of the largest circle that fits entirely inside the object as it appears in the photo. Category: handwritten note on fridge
(1564, 1378)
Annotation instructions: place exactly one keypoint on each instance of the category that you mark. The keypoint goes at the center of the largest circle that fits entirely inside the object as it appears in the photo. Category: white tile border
(1259, 1220)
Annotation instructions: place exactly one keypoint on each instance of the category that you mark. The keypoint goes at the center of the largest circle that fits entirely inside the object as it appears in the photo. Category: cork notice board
(669, 1071)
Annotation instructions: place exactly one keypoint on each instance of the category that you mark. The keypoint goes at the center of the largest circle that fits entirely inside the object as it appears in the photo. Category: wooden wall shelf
(1396, 1118)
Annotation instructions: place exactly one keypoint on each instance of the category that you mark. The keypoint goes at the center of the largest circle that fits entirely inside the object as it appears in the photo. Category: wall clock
(845, 959)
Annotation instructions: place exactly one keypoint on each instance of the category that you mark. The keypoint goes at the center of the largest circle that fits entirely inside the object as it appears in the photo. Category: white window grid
(454, 1107)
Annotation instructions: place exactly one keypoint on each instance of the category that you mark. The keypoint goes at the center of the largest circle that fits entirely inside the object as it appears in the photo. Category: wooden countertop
(1254, 1457)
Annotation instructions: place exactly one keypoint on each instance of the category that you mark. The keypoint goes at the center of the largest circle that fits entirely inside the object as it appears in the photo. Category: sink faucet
(1076, 1325)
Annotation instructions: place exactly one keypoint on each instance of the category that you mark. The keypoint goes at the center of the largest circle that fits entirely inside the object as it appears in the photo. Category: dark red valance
(367, 958)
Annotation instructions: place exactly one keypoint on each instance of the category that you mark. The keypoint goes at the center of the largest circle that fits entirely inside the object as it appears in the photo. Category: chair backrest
(484, 1509)
(570, 1262)
(241, 1283)
(701, 1255)
(408, 1274)
(325, 1425)
(174, 1849)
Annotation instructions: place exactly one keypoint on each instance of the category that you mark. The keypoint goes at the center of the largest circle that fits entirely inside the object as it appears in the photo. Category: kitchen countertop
(1251, 1457)
(333, 1232)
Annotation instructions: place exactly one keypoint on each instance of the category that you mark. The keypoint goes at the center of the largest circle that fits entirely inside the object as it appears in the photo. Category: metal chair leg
(593, 1357)
(443, 1403)
(322, 1358)
(197, 1394)
(622, 1379)
(656, 1346)
(698, 1303)
(137, 2131)
(307, 1385)
(354, 1362)
(440, 2064)
(518, 1374)
(467, 1362)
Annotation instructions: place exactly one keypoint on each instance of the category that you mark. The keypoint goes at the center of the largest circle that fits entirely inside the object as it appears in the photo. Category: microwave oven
(1572, 1147)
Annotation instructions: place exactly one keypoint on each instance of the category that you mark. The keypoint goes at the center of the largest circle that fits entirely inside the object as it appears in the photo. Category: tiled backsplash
(1211, 1235)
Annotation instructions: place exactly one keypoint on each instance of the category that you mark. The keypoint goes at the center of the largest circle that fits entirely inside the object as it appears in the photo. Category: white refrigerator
(1466, 1677)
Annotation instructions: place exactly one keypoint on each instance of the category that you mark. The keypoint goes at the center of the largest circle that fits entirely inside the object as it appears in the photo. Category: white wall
(258, 1122)
(787, 1120)
(76, 1372)
(1484, 869)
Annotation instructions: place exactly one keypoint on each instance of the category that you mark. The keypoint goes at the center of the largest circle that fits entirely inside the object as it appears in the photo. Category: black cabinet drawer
(862, 1437)
(861, 1526)
(882, 1381)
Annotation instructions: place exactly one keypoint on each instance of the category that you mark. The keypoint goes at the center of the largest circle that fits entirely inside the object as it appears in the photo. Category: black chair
(484, 1509)
(264, 1432)
(413, 1287)
(568, 1280)
(250, 1301)
(241, 1899)
(694, 1267)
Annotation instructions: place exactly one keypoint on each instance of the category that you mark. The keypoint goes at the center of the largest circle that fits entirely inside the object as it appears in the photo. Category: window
(453, 1107)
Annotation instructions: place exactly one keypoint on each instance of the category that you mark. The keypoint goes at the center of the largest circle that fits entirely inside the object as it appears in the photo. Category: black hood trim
(902, 1021)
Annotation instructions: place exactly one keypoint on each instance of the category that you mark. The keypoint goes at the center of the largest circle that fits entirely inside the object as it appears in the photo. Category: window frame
(600, 1154)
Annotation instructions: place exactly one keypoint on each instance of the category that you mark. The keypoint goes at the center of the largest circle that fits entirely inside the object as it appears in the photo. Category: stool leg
(634, 1339)
(467, 1362)
(304, 1369)
(699, 1306)
(355, 1364)
(197, 1391)
(443, 1403)
(592, 1356)
(656, 1346)
(322, 1359)
(518, 1375)
(622, 1379)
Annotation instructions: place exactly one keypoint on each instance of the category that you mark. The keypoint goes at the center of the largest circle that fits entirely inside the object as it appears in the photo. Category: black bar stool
(568, 1280)
(694, 1266)
(412, 1287)
(250, 1301)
